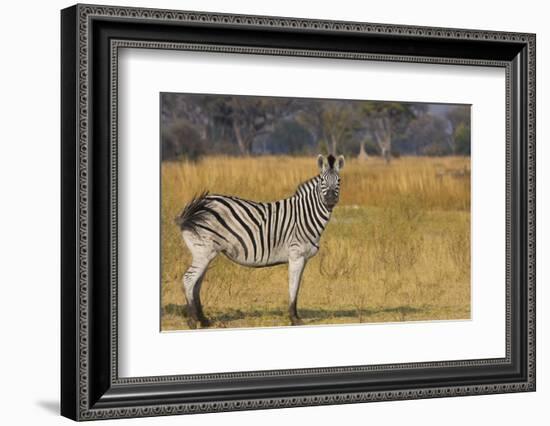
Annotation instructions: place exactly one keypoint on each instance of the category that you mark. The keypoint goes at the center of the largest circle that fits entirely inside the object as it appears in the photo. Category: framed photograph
(263, 212)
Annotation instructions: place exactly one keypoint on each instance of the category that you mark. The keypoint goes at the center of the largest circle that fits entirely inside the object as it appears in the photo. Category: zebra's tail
(194, 213)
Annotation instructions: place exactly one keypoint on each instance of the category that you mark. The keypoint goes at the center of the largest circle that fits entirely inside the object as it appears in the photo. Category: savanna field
(397, 247)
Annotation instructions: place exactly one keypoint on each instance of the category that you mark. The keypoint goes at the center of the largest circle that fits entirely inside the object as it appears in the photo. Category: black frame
(91, 37)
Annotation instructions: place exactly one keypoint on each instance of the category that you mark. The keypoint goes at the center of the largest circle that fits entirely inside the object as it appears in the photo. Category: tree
(252, 117)
(289, 137)
(462, 139)
(329, 122)
(429, 135)
(362, 135)
(193, 109)
(180, 139)
(362, 156)
(184, 126)
(459, 119)
(383, 120)
(242, 119)
(338, 124)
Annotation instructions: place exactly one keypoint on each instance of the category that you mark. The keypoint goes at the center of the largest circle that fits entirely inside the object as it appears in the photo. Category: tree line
(197, 125)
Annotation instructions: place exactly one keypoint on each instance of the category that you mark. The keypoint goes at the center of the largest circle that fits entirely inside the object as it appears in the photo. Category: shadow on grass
(308, 315)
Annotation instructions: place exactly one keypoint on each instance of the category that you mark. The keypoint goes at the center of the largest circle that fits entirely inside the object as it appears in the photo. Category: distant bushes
(180, 140)
(462, 139)
(289, 137)
(193, 125)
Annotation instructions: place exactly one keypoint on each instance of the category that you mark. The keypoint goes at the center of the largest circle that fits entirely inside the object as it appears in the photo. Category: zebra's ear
(321, 162)
(340, 163)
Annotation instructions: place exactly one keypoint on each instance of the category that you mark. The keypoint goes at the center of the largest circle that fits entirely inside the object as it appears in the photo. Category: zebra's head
(330, 178)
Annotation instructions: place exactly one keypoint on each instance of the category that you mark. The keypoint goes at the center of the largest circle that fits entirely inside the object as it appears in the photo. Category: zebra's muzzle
(331, 200)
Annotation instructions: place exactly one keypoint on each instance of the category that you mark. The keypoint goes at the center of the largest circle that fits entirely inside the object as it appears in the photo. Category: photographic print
(291, 211)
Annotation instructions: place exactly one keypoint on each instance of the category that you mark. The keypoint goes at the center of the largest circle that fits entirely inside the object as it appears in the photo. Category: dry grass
(396, 249)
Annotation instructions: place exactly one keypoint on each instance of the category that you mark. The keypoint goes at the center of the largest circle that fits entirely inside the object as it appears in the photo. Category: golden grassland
(397, 247)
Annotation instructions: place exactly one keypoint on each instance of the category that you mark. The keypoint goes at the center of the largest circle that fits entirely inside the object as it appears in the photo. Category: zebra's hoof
(192, 323)
(205, 322)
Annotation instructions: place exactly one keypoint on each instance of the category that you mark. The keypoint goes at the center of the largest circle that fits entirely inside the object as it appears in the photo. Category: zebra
(258, 234)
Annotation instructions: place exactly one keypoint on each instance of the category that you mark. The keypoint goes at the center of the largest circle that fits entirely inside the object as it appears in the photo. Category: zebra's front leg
(295, 270)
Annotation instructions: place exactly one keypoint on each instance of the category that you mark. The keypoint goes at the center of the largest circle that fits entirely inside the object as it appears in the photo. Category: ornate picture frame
(91, 37)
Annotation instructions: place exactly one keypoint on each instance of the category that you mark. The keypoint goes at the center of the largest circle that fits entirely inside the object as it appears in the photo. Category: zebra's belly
(276, 257)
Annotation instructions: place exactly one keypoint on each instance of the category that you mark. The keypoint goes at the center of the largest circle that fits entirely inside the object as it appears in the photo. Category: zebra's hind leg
(193, 277)
(205, 322)
(192, 280)
(295, 270)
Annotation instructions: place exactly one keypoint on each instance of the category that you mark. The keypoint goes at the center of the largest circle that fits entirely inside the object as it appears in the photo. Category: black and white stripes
(259, 234)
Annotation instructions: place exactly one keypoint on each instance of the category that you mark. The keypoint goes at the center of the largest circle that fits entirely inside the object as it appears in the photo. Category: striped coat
(257, 234)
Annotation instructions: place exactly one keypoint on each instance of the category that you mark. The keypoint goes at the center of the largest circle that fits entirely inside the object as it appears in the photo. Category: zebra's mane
(305, 184)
